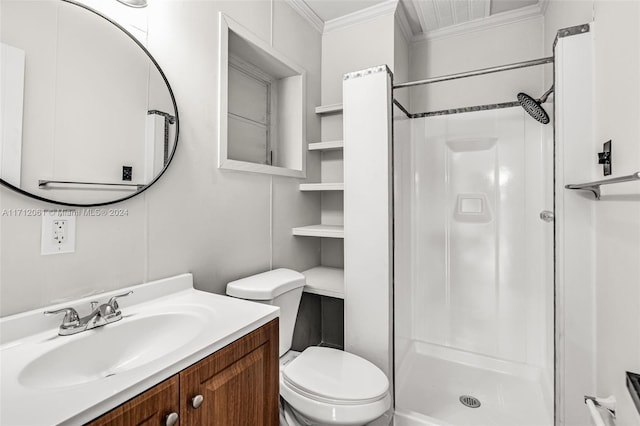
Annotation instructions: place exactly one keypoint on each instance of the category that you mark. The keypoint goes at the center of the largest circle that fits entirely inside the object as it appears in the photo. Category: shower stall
(474, 256)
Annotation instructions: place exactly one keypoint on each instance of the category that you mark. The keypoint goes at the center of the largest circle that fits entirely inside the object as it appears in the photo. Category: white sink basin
(167, 326)
(112, 349)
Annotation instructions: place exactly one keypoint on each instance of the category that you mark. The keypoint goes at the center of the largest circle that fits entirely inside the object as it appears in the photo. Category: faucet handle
(113, 301)
(71, 316)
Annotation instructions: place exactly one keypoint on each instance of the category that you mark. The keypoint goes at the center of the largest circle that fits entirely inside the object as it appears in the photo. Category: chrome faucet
(101, 314)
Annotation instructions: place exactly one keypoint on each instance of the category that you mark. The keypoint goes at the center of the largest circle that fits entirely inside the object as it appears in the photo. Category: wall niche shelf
(325, 231)
(325, 281)
(329, 109)
(326, 146)
(327, 186)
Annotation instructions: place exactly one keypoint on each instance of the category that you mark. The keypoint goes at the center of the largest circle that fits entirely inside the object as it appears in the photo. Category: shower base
(433, 381)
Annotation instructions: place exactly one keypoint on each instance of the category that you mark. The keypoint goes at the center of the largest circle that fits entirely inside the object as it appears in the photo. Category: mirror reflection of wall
(88, 93)
(11, 106)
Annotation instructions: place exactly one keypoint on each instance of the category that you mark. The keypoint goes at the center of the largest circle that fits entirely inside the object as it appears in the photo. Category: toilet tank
(280, 287)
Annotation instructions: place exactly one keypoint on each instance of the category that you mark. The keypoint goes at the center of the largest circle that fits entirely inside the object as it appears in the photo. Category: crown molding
(382, 9)
(403, 22)
(543, 4)
(307, 13)
(500, 19)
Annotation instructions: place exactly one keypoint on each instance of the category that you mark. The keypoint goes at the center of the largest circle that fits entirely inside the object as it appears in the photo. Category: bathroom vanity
(238, 385)
(177, 356)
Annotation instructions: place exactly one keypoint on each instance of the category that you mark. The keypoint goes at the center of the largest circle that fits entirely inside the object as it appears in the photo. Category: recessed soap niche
(473, 208)
(471, 144)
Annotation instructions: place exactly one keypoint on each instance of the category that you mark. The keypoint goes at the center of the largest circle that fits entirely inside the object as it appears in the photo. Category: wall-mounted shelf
(326, 146)
(594, 187)
(325, 231)
(325, 281)
(337, 186)
(329, 109)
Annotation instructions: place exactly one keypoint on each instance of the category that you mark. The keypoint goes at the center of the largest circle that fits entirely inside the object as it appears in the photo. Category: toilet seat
(334, 376)
(329, 386)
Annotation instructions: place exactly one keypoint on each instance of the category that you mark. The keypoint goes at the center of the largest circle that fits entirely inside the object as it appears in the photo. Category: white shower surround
(480, 290)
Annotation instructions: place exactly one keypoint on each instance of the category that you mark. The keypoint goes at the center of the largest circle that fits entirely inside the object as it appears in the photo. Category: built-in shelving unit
(325, 281)
(325, 146)
(329, 109)
(326, 231)
(337, 186)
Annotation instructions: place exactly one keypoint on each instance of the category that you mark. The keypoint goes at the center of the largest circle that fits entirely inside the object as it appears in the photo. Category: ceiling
(332, 9)
(423, 15)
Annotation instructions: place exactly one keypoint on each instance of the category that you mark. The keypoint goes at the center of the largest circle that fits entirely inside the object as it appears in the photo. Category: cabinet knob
(196, 401)
(171, 419)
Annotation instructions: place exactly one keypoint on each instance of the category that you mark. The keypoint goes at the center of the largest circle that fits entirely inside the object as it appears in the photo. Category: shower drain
(470, 401)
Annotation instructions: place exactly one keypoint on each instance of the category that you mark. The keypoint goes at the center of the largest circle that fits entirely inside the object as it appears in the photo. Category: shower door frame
(535, 62)
(566, 386)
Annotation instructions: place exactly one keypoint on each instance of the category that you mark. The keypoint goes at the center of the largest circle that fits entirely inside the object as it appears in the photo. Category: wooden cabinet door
(150, 408)
(239, 383)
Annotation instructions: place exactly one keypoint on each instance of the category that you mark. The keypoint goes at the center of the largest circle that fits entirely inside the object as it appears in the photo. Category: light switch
(58, 232)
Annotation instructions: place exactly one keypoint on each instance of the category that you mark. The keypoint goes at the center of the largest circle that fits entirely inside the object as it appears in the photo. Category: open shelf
(326, 146)
(329, 109)
(332, 186)
(326, 231)
(325, 281)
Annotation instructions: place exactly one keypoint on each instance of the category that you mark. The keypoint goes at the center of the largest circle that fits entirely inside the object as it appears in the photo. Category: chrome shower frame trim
(450, 111)
(483, 71)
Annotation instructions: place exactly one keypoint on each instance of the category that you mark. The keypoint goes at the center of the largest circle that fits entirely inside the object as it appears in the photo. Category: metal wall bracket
(608, 404)
(570, 31)
(604, 158)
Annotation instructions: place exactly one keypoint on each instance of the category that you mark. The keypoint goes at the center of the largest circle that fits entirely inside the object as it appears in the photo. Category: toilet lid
(333, 375)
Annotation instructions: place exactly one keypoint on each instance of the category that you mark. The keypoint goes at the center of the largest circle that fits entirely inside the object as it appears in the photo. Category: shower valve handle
(547, 216)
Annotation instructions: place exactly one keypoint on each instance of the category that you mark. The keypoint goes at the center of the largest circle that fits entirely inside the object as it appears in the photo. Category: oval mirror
(88, 117)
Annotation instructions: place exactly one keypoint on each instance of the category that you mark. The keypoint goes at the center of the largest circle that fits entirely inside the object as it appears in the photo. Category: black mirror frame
(177, 124)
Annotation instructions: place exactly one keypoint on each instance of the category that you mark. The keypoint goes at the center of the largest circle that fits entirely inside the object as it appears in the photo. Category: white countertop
(26, 336)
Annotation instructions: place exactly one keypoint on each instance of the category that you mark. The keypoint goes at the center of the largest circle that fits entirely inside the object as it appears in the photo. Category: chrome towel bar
(594, 187)
(43, 184)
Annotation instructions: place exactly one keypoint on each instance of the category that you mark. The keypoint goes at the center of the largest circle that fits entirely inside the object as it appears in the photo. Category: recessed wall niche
(262, 106)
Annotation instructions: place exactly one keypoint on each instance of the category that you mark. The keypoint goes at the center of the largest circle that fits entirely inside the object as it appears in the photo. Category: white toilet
(321, 386)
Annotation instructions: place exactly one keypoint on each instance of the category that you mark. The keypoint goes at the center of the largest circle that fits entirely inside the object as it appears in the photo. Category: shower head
(134, 3)
(534, 107)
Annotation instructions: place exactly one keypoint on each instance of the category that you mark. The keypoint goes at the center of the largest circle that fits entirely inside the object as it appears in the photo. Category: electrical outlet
(58, 232)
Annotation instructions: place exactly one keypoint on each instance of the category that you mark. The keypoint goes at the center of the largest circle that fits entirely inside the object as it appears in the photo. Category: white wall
(575, 236)
(368, 193)
(219, 225)
(355, 47)
(484, 48)
(360, 46)
(402, 179)
(617, 216)
(617, 113)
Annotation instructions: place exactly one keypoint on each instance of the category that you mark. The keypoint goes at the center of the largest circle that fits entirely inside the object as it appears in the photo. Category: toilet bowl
(319, 386)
